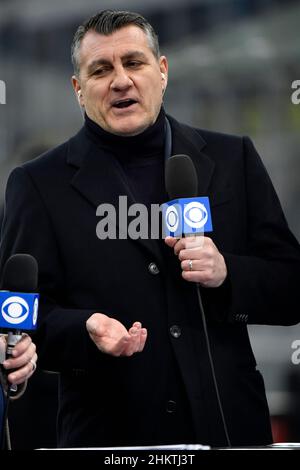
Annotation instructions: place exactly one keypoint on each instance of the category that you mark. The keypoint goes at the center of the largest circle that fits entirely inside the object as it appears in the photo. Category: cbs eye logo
(172, 218)
(15, 310)
(195, 214)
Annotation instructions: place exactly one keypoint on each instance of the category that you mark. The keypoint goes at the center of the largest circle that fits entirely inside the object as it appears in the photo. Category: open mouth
(124, 103)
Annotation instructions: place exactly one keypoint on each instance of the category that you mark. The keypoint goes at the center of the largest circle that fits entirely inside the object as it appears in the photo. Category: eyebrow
(129, 55)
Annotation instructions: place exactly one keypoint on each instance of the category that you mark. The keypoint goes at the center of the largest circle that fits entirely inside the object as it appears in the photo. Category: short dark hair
(106, 22)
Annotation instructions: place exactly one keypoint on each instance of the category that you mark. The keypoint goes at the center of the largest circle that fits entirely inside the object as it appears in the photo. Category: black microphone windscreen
(181, 177)
(20, 273)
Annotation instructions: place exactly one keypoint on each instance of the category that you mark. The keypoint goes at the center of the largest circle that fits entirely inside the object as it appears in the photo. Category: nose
(121, 81)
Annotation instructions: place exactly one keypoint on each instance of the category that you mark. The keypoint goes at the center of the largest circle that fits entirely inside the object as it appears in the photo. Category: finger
(135, 332)
(143, 338)
(185, 265)
(137, 342)
(2, 348)
(119, 348)
(191, 253)
(190, 242)
(22, 345)
(22, 360)
(198, 276)
(188, 265)
(180, 245)
(187, 244)
(129, 349)
(19, 376)
(197, 265)
(138, 346)
(134, 344)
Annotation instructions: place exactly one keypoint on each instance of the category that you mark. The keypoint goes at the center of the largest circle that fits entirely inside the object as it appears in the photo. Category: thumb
(171, 241)
(92, 326)
(96, 322)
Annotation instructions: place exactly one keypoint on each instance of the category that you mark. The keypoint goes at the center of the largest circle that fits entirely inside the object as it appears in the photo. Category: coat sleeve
(263, 284)
(62, 340)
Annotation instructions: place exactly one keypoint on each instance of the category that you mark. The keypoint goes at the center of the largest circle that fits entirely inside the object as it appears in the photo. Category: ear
(163, 65)
(77, 89)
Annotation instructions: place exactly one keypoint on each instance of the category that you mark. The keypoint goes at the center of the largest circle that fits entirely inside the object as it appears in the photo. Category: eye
(15, 310)
(133, 63)
(101, 71)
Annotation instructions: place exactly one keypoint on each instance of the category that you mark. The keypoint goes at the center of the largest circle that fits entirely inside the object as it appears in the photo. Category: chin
(131, 126)
(129, 130)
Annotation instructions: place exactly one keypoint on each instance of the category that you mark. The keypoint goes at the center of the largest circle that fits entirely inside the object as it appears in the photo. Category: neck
(147, 143)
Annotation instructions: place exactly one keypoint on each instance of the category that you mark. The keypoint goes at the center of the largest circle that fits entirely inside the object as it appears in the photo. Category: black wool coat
(50, 213)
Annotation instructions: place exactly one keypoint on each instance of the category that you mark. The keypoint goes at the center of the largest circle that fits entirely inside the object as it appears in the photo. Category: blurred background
(232, 64)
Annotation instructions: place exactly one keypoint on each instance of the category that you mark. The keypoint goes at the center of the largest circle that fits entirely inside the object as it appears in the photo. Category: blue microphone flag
(186, 216)
(18, 311)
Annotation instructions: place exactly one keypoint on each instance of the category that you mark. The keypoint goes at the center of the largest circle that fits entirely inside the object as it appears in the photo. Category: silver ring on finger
(191, 265)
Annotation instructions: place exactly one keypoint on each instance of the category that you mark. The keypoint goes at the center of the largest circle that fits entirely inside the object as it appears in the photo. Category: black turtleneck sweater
(141, 157)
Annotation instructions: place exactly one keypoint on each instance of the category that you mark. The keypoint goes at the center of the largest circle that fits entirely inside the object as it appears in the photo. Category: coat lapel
(100, 179)
(186, 140)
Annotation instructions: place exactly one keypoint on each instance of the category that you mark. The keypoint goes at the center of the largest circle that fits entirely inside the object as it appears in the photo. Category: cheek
(95, 98)
(96, 93)
(153, 94)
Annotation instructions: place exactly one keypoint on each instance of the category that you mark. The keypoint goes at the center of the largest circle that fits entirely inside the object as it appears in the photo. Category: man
(120, 318)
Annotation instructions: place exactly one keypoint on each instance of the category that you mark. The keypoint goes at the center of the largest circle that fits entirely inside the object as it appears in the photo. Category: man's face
(121, 83)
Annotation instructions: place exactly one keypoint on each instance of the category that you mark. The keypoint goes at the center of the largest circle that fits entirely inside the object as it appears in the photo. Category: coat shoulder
(207, 135)
(50, 158)
(216, 144)
(53, 160)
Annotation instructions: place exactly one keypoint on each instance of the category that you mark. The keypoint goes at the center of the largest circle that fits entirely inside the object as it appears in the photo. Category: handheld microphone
(18, 312)
(18, 301)
(185, 214)
(180, 177)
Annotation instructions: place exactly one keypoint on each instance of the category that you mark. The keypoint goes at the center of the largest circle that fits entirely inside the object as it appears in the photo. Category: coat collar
(187, 140)
(100, 178)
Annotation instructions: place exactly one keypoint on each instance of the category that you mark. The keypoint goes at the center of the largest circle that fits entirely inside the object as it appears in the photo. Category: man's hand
(111, 337)
(23, 359)
(200, 259)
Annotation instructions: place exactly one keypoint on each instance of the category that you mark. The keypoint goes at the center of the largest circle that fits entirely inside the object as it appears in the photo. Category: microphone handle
(12, 339)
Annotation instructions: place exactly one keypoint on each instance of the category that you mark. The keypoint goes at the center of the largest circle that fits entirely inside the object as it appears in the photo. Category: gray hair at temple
(107, 22)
